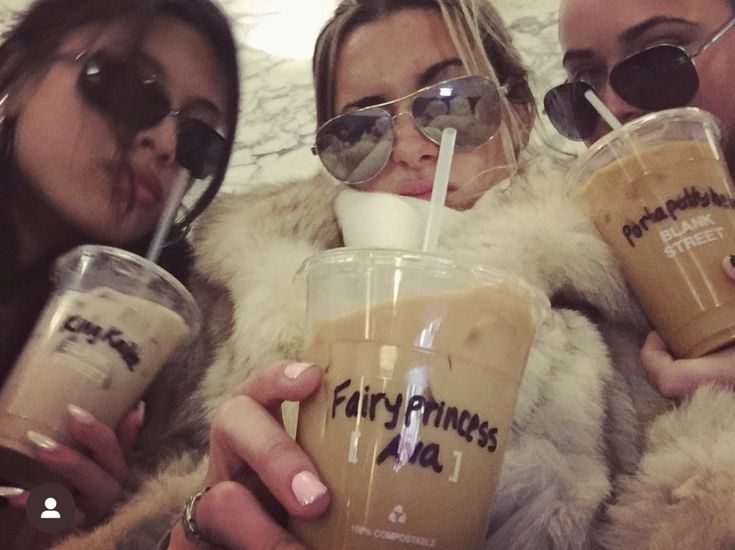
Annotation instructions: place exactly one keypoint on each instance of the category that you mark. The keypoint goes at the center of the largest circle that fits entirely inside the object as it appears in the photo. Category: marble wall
(276, 37)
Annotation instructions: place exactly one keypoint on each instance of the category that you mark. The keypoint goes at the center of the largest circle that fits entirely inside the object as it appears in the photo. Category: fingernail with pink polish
(42, 442)
(307, 487)
(8, 492)
(294, 370)
(80, 415)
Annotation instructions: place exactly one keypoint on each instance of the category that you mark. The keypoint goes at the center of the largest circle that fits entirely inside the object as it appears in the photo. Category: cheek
(58, 138)
(468, 165)
(716, 79)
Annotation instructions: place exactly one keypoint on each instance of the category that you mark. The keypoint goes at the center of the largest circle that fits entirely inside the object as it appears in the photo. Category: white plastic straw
(439, 191)
(615, 124)
(167, 217)
(602, 110)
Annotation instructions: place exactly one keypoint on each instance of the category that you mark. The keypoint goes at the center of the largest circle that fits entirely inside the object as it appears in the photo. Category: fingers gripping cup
(112, 322)
(660, 193)
(423, 359)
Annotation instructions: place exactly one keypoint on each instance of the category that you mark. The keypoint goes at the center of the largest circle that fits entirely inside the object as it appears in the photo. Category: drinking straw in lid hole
(181, 183)
(612, 121)
(439, 191)
(602, 110)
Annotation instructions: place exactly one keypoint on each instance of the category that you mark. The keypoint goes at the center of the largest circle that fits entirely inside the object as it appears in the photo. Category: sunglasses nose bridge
(395, 118)
(409, 128)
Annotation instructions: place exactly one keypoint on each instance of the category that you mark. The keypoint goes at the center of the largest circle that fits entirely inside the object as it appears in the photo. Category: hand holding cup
(257, 473)
(680, 378)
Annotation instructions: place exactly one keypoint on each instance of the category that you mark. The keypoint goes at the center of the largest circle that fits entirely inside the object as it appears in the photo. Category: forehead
(189, 58)
(583, 23)
(391, 53)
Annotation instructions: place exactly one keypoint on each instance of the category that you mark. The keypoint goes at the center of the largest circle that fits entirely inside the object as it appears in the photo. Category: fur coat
(579, 469)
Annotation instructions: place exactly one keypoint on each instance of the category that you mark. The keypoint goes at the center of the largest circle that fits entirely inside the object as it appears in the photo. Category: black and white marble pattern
(277, 122)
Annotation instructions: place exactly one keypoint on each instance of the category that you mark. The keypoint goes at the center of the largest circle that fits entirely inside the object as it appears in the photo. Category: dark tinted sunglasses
(657, 78)
(356, 146)
(131, 95)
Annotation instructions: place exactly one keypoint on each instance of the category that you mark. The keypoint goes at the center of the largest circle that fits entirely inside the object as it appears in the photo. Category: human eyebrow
(635, 32)
(429, 75)
(425, 78)
(363, 102)
(573, 56)
(202, 104)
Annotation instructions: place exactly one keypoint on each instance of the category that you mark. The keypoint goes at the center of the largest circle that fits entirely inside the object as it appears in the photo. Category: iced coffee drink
(661, 196)
(112, 323)
(409, 427)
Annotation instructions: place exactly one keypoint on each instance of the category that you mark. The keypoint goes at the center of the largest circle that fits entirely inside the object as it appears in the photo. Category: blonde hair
(478, 32)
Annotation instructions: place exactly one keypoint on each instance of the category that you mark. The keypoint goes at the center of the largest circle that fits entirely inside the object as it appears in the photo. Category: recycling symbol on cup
(397, 515)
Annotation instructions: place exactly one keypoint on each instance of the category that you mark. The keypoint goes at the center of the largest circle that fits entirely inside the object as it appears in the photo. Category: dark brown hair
(29, 46)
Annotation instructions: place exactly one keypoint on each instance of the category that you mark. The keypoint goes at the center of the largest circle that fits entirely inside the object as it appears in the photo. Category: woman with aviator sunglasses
(383, 95)
(642, 57)
(101, 103)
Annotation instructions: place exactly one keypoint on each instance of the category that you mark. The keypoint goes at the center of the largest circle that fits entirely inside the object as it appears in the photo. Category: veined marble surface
(277, 109)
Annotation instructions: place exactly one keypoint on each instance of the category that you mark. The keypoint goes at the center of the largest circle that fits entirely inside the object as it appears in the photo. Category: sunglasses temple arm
(715, 37)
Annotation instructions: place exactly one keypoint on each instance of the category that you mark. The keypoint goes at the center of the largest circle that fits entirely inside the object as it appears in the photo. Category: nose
(159, 140)
(623, 111)
(410, 147)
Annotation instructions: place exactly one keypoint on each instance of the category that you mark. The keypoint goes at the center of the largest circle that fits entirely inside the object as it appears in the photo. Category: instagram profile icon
(51, 508)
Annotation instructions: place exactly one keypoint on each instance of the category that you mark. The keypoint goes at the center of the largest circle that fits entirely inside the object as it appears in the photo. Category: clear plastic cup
(112, 322)
(423, 358)
(661, 195)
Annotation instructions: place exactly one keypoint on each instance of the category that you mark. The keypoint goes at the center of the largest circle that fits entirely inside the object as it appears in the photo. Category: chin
(461, 203)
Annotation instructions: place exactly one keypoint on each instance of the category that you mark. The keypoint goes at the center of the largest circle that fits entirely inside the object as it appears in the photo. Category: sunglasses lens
(199, 148)
(354, 147)
(469, 104)
(123, 92)
(570, 112)
(661, 77)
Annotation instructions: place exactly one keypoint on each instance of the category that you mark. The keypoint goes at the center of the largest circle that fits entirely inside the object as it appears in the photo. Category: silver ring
(188, 520)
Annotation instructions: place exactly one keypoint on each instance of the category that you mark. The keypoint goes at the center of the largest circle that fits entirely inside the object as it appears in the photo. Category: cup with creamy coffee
(423, 357)
(112, 322)
(660, 193)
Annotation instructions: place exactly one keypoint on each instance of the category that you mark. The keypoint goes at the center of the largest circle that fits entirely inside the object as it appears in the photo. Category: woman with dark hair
(102, 102)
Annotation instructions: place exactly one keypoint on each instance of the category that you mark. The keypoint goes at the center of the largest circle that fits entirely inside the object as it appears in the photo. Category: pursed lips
(417, 188)
(147, 187)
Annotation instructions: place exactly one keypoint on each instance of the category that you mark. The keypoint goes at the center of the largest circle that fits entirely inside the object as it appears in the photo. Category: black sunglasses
(131, 95)
(356, 146)
(657, 78)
